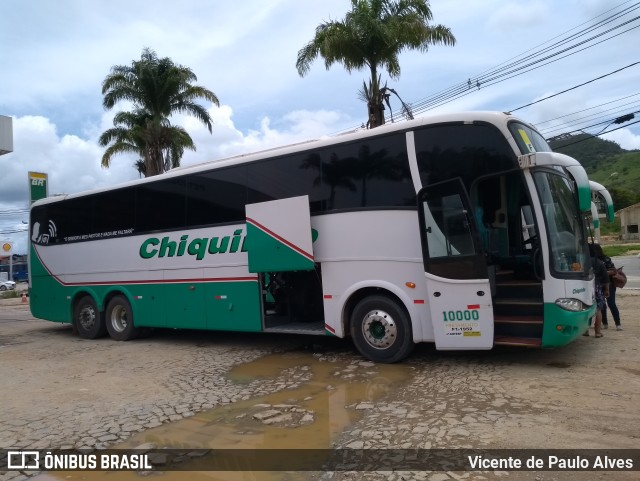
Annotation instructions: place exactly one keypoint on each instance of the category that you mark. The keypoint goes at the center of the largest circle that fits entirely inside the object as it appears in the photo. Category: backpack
(619, 278)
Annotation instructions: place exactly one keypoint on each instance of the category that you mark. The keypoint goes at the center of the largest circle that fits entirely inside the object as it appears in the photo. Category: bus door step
(517, 341)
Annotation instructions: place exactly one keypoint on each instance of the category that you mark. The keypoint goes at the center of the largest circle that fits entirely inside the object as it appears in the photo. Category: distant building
(14, 269)
(629, 221)
(6, 135)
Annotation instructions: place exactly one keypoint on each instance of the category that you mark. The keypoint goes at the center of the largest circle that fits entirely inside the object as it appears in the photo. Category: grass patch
(10, 294)
(621, 250)
(610, 228)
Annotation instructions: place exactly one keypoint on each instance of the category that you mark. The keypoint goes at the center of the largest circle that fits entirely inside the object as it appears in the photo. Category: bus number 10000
(466, 315)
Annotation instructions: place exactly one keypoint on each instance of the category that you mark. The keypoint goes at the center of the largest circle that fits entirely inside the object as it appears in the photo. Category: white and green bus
(601, 208)
(464, 230)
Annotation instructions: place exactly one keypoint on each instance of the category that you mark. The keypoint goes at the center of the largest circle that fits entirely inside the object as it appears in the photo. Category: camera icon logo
(23, 460)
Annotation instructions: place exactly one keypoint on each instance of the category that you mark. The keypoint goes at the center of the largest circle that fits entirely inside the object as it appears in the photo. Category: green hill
(587, 149)
(607, 163)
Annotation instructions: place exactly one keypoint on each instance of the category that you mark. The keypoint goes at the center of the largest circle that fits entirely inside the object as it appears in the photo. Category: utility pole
(6, 147)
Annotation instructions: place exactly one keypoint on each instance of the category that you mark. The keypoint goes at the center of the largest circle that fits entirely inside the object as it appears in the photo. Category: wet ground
(322, 398)
(223, 391)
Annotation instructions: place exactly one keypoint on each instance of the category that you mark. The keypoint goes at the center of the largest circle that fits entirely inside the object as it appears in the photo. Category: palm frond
(157, 88)
(372, 35)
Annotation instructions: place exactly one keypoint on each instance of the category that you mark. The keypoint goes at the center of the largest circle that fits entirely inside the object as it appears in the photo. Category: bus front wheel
(119, 320)
(381, 329)
(87, 320)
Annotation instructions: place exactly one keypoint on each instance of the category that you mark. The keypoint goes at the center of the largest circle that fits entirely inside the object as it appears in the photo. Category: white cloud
(516, 16)
(625, 138)
(245, 52)
(73, 163)
(227, 140)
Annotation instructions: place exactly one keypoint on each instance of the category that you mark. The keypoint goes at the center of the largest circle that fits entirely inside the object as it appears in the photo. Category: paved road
(14, 312)
(631, 266)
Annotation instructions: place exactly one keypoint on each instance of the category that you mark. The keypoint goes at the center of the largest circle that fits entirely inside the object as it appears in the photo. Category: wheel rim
(87, 318)
(379, 329)
(119, 320)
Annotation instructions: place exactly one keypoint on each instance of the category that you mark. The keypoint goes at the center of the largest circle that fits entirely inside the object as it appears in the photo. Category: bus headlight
(569, 304)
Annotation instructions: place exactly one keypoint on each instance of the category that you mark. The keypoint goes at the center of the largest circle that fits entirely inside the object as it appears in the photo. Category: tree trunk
(153, 161)
(375, 104)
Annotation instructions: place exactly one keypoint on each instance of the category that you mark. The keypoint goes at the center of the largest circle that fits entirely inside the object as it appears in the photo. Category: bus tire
(119, 320)
(87, 319)
(381, 329)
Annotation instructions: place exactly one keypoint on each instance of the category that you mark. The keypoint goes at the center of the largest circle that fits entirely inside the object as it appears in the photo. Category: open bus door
(279, 245)
(458, 285)
(279, 235)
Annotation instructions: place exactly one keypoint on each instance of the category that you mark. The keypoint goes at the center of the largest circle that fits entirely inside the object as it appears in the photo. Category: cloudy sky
(55, 55)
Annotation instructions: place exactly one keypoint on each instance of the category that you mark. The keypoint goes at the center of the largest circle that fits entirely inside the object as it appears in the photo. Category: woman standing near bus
(601, 286)
(611, 298)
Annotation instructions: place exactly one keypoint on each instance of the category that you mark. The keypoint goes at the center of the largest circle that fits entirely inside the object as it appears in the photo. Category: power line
(596, 135)
(491, 76)
(607, 122)
(516, 73)
(14, 212)
(632, 7)
(617, 111)
(588, 108)
(576, 86)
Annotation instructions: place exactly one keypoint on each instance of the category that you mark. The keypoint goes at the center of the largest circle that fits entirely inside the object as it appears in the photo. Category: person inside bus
(601, 282)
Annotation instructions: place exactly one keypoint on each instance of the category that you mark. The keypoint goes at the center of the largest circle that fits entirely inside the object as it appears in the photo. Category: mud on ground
(582, 396)
(60, 391)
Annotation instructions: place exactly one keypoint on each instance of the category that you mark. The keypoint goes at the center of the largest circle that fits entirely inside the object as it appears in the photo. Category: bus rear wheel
(119, 320)
(87, 319)
(381, 329)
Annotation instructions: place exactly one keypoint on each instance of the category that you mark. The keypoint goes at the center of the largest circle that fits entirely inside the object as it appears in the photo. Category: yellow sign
(6, 247)
(527, 142)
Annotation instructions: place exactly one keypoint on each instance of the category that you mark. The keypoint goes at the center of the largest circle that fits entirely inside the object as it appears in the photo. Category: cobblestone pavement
(169, 378)
(583, 396)
(59, 391)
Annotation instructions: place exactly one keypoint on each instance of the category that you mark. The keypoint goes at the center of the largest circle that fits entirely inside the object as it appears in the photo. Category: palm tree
(372, 35)
(160, 147)
(158, 88)
(127, 136)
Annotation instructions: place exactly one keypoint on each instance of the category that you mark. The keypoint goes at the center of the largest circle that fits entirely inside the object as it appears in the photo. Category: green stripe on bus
(47, 297)
(223, 306)
(562, 326)
(267, 254)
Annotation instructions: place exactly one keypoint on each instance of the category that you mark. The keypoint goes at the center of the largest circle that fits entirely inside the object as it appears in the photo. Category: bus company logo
(43, 237)
(198, 247)
(17, 460)
(579, 291)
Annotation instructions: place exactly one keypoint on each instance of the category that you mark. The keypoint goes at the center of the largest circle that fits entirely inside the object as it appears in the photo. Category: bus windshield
(528, 139)
(562, 217)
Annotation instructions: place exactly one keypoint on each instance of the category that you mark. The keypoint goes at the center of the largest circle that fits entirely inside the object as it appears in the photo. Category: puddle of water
(309, 416)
